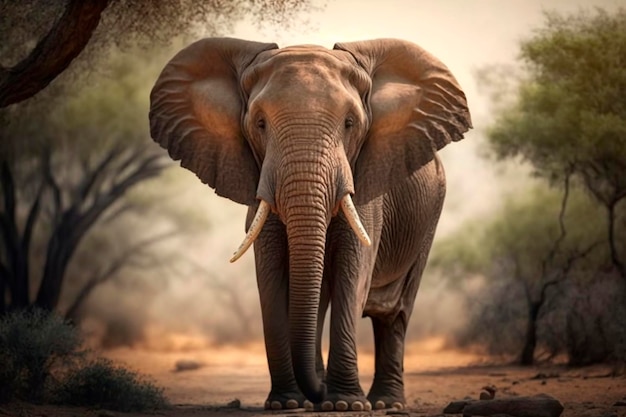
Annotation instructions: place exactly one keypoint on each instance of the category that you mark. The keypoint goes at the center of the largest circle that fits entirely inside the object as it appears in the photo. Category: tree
(62, 30)
(527, 253)
(570, 119)
(67, 166)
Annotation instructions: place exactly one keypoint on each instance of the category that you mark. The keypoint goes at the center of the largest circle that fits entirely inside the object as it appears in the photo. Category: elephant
(334, 151)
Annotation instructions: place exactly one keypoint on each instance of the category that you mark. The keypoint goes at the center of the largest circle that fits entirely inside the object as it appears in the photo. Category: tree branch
(114, 214)
(30, 220)
(46, 165)
(230, 292)
(100, 277)
(90, 180)
(563, 231)
(53, 54)
(8, 225)
(73, 226)
(617, 262)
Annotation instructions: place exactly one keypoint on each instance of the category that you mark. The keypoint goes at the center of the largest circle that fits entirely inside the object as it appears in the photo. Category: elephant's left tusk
(253, 232)
(353, 218)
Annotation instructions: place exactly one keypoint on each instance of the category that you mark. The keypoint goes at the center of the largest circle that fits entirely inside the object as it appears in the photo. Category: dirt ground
(434, 377)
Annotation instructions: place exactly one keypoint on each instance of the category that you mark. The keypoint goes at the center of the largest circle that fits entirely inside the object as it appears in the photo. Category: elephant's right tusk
(253, 232)
(353, 218)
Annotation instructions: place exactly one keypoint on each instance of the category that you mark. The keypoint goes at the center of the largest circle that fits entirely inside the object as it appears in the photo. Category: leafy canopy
(571, 113)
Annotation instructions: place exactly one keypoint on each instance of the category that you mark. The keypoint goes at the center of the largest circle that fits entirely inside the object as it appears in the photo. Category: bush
(41, 358)
(101, 384)
(596, 326)
(32, 343)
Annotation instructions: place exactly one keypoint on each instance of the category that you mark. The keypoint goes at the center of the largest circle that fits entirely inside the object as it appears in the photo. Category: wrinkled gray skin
(299, 128)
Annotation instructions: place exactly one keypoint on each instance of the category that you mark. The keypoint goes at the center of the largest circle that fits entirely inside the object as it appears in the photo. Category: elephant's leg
(342, 376)
(387, 389)
(347, 295)
(270, 251)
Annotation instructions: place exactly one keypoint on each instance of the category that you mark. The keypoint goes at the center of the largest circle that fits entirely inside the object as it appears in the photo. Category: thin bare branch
(96, 174)
(113, 268)
(111, 215)
(615, 258)
(46, 165)
(31, 219)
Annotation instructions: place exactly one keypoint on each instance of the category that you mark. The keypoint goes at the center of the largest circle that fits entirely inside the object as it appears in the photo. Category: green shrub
(32, 343)
(41, 358)
(102, 384)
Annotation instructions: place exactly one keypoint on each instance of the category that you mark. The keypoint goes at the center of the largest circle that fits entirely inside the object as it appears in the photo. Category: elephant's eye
(260, 124)
(349, 122)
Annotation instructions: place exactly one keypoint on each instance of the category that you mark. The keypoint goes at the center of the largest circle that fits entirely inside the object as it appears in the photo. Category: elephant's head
(301, 130)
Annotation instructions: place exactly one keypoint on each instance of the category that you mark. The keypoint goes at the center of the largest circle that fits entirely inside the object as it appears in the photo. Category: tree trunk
(16, 272)
(3, 280)
(615, 257)
(527, 357)
(60, 249)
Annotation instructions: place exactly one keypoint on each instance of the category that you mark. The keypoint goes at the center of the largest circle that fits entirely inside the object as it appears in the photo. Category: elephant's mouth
(346, 205)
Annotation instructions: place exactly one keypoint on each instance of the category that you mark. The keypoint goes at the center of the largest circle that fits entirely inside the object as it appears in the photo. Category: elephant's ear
(195, 113)
(417, 108)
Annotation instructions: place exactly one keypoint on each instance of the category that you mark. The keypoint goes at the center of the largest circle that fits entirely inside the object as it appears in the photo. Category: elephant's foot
(381, 403)
(344, 402)
(286, 401)
(385, 399)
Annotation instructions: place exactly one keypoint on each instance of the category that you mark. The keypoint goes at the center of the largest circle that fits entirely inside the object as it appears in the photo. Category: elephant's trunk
(307, 235)
(306, 195)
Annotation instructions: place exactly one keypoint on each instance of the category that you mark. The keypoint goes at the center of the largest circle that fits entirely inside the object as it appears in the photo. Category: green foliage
(42, 359)
(461, 254)
(567, 118)
(523, 232)
(527, 233)
(32, 343)
(526, 246)
(570, 116)
(100, 383)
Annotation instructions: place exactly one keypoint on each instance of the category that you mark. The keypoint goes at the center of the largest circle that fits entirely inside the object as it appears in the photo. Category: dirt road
(434, 378)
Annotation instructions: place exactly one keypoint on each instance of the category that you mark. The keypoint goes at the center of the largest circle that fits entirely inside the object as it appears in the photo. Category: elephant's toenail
(267, 405)
(357, 406)
(341, 405)
(327, 406)
(368, 406)
(276, 405)
(379, 405)
(291, 404)
(308, 405)
(397, 405)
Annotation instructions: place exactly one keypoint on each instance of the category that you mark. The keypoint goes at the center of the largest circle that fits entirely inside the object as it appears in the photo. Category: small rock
(236, 403)
(541, 375)
(187, 365)
(488, 393)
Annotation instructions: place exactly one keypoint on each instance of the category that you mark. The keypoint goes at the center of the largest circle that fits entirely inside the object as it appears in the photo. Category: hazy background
(194, 297)
(218, 303)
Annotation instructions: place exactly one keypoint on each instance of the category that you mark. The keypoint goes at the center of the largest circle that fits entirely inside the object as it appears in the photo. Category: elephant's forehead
(305, 61)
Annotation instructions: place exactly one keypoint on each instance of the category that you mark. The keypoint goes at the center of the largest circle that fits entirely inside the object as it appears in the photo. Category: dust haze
(202, 300)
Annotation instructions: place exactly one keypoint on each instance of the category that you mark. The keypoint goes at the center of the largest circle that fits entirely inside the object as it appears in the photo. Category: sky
(466, 35)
